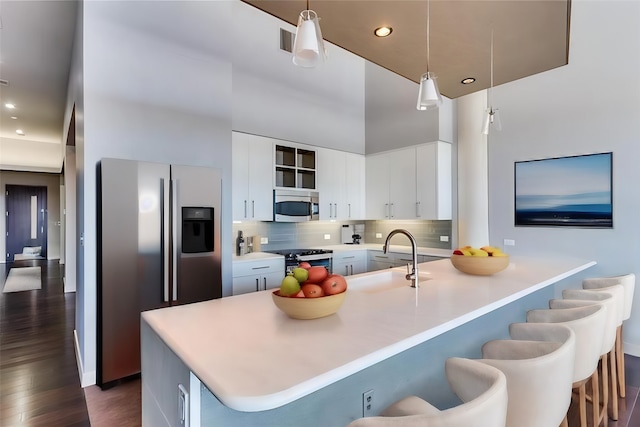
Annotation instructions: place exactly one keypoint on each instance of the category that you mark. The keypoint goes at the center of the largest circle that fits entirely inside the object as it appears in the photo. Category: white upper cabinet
(355, 185)
(410, 183)
(391, 185)
(252, 177)
(340, 185)
(434, 180)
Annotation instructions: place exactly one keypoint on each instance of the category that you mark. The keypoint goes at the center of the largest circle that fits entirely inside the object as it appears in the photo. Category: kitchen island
(245, 363)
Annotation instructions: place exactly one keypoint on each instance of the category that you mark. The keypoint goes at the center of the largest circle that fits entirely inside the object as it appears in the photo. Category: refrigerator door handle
(165, 237)
(174, 237)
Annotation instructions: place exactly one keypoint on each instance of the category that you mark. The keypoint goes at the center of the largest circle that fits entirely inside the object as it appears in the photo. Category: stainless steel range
(293, 257)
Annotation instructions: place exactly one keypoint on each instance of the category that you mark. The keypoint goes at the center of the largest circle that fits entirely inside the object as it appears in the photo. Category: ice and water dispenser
(197, 230)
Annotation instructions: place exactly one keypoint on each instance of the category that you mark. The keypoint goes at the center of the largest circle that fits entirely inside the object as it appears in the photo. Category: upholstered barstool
(482, 388)
(613, 300)
(628, 282)
(538, 363)
(587, 323)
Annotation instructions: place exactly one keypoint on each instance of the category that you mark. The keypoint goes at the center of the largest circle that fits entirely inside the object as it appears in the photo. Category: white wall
(52, 182)
(321, 106)
(156, 87)
(591, 105)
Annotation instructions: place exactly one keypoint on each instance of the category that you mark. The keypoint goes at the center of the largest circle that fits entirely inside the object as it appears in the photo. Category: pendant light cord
(308, 5)
(491, 89)
(428, 14)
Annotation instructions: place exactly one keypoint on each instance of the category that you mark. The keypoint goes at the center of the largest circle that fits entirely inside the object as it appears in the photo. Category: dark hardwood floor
(39, 383)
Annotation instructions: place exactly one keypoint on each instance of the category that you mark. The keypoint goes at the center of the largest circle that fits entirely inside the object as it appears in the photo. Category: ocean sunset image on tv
(571, 191)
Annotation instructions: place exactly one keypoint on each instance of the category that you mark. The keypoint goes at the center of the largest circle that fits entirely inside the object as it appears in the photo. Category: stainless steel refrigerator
(158, 246)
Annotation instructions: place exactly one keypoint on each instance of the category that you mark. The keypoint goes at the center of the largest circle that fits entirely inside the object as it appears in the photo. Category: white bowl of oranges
(310, 292)
(483, 261)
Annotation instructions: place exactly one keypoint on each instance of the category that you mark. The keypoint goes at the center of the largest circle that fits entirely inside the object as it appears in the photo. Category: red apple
(317, 274)
(312, 291)
(298, 295)
(334, 284)
(305, 265)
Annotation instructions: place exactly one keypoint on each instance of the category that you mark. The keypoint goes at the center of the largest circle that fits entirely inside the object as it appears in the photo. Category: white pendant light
(308, 46)
(429, 97)
(491, 116)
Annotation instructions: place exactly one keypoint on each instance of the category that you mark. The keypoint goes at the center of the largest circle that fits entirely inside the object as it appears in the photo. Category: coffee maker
(352, 234)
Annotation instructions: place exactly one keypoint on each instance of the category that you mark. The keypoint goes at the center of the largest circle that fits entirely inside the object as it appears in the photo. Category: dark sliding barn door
(26, 219)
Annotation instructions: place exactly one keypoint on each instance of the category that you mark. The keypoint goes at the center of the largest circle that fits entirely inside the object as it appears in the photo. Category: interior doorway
(26, 222)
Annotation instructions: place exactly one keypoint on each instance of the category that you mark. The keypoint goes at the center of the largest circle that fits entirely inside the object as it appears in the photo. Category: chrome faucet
(413, 275)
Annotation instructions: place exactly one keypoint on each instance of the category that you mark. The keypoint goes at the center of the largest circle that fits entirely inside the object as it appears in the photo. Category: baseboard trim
(631, 349)
(86, 378)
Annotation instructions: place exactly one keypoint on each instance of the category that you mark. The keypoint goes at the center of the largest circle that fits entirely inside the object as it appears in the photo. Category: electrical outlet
(509, 242)
(367, 403)
(327, 236)
(444, 238)
(264, 240)
(378, 235)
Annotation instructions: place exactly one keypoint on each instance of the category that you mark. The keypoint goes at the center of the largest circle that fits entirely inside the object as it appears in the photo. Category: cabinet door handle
(351, 269)
(257, 284)
(265, 283)
(245, 208)
(349, 210)
(418, 209)
(346, 270)
(260, 268)
(349, 257)
(391, 210)
(335, 212)
(386, 210)
(253, 209)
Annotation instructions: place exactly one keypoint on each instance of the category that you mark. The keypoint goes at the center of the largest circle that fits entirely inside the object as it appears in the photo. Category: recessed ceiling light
(20, 132)
(383, 31)
(468, 80)
(14, 118)
(10, 106)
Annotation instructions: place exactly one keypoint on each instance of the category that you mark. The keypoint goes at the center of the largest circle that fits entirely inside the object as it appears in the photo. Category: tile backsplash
(283, 235)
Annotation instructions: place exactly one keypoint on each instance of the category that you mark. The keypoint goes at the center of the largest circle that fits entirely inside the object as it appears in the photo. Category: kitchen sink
(380, 281)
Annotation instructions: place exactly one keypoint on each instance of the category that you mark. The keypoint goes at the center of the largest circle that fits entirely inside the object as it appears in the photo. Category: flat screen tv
(571, 191)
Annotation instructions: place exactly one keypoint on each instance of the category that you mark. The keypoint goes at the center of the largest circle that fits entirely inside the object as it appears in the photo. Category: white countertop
(253, 357)
(255, 256)
(393, 248)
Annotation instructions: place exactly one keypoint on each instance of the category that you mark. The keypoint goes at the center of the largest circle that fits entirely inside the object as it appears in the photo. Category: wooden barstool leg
(582, 402)
(614, 385)
(595, 398)
(622, 383)
(565, 422)
(603, 415)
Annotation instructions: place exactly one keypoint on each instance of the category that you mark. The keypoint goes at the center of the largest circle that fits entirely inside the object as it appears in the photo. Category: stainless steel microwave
(295, 206)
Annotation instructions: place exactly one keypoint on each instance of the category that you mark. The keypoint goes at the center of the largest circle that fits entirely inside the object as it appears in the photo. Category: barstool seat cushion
(482, 389)
(538, 363)
(587, 324)
(627, 281)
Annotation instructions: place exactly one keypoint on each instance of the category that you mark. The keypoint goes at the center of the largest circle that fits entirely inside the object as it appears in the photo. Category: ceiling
(36, 42)
(529, 36)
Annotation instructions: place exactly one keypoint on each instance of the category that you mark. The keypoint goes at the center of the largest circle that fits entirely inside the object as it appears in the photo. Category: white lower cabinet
(379, 260)
(259, 275)
(348, 263)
